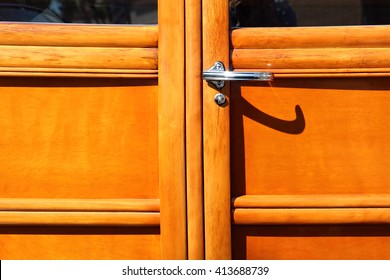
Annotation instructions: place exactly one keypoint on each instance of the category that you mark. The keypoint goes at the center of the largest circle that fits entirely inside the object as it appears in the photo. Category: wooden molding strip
(81, 73)
(319, 58)
(64, 50)
(21, 218)
(311, 216)
(80, 205)
(77, 35)
(309, 37)
(79, 58)
(306, 52)
(312, 201)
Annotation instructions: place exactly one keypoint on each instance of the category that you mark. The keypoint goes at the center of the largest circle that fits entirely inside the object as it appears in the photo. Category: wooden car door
(297, 167)
(88, 134)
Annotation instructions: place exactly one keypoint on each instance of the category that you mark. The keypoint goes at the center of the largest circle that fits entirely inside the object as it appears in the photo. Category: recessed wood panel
(311, 242)
(79, 243)
(311, 136)
(78, 138)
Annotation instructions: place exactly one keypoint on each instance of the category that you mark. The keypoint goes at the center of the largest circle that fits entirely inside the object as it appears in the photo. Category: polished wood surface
(304, 51)
(81, 205)
(326, 242)
(309, 37)
(312, 201)
(318, 136)
(68, 138)
(171, 128)
(79, 243)
(242, 216)
(76, 35)
(54, 50)
(72, 218)
(216, 135)
(194, 139)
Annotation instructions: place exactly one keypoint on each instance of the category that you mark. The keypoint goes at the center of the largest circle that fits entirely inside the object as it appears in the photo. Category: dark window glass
(80, 11)
(263, 13)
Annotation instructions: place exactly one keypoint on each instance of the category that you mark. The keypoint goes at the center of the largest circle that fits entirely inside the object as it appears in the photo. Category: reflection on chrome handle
(216, 75)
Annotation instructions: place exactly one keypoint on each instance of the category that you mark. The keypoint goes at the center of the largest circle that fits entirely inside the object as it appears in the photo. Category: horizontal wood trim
(66, 51)
(77, 35)
(311, 37)
(21, 218)
(78, 73)
(312, 201)
(80, 58)
(351, 51)
(308, 59)
(311, 216)
(80, 205)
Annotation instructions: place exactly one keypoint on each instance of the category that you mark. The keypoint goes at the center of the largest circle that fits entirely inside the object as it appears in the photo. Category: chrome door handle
(217, 76)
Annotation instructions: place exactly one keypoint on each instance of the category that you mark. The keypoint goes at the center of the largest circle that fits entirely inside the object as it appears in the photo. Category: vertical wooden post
(194, 147)
(216, 135)
(171, 124)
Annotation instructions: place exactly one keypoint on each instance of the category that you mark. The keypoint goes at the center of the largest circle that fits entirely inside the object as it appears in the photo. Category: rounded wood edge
(74, 35)
(312, 201)
(311, 216)
(21, 218)
(112, 205)
(310, 37)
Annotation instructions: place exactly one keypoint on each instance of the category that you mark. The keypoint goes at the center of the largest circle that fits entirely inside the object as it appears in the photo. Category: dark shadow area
(240, 233)
(241, 108)
(80, 11)
(289, 13)
(78, 230)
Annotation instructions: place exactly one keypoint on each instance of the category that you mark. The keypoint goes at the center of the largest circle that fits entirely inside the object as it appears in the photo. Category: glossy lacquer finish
(86, 144)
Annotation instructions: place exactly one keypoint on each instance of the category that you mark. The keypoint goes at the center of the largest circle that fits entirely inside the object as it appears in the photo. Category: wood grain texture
(318, 58)
(62, 50)
(194, 131)
(326, 242)
(171, 129)
(216, 135)
(309, 37)
(334, 143)
(75, 35)
(79, 243)
(313, 201)
(66, 218)
(258, 216)
(300, 52)
(78, 138)
(72, 57)
(80, 205)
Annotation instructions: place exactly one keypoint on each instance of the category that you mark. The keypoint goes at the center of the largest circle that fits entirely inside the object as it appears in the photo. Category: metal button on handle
(217, 76)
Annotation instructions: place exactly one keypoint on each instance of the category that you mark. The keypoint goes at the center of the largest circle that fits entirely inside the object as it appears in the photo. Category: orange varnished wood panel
(302, 52)
(317, 136)
(314, 58)
(194, 139)
(72, 218)
(81, 205)
(64, 50)
(312, 201)
(171, 128)
(309, 37)
(311, 242)
(74, 35)
(216, 135)
(71, 57)
(311, 216)
(79, 243)
(74, 138)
